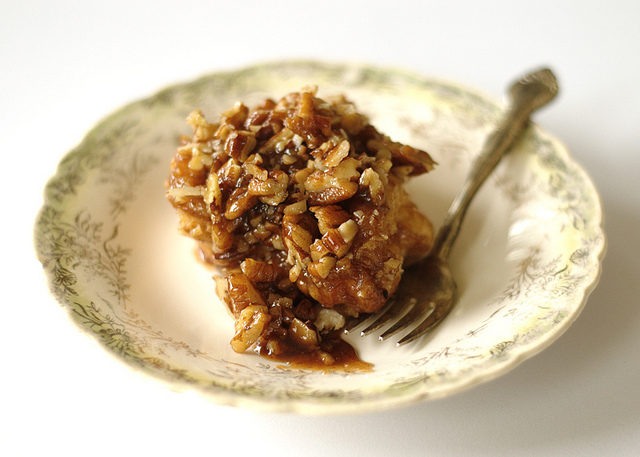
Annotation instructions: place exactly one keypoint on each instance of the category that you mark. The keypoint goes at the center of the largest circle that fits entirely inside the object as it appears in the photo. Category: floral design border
(68, 239)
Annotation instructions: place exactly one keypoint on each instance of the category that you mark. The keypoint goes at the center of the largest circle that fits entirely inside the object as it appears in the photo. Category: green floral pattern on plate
(105, 235)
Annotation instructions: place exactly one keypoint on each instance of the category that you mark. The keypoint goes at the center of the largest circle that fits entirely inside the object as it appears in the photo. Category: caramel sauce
(344, 356)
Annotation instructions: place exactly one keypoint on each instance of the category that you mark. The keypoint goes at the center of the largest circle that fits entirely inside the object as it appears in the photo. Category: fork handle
(527, 94)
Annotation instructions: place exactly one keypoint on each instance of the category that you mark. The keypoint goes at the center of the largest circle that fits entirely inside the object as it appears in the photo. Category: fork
(427, 291)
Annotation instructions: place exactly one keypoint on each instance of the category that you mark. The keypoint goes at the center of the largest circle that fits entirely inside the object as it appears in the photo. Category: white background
(65, 64)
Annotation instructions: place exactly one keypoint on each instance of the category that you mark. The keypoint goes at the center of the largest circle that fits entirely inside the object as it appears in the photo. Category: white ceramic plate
(528, 254)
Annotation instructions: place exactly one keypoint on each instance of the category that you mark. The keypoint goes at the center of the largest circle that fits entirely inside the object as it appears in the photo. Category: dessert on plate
(300, 204)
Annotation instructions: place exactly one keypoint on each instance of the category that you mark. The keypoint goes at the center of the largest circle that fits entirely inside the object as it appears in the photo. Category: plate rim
(307, 405)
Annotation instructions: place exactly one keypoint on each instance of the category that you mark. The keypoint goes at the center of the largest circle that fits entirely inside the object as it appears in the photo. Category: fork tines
(405, 310)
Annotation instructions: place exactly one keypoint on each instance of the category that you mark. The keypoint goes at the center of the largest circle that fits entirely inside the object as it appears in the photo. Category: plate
(528, 254)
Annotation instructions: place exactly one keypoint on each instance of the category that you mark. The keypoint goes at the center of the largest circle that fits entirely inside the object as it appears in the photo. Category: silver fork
(427, 291)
